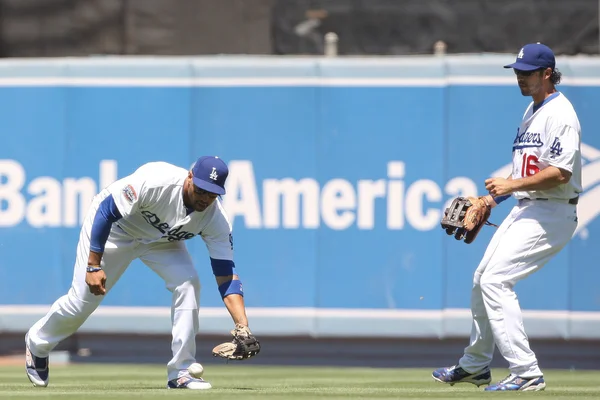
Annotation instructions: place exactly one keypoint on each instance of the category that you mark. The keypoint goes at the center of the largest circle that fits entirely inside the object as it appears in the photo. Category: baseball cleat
(187, 382)
(456, 374)
(516, 383)
(37, 368)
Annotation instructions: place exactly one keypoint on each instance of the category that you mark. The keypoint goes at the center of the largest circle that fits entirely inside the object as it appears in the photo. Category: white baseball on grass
(196, 370)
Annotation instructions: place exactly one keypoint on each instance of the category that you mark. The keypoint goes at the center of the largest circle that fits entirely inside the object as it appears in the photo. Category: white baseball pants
(533, 232)
(170, 260)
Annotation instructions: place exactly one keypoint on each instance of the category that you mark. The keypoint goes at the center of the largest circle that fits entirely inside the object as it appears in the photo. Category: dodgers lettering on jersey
(549, 137)
(151, 203)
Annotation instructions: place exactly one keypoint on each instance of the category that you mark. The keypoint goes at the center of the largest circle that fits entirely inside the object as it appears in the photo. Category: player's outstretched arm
(234, 302)
(244, 345)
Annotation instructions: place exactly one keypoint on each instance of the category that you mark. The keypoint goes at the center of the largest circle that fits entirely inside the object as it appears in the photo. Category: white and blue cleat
(517, 383)
(455, 374)
(187, 382)
(37, 368)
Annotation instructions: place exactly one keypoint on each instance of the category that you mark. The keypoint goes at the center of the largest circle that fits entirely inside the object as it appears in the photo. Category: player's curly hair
(556, 76)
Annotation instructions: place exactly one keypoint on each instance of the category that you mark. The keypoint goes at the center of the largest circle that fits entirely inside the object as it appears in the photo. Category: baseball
(196, 370)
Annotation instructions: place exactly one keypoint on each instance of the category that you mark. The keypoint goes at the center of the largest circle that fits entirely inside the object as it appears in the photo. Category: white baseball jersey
(549, 136)
(530, 236)
(151, 203)
(153, 225)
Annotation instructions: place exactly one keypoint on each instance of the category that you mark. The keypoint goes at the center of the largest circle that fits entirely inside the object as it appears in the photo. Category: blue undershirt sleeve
(105, 216)
(222, 267)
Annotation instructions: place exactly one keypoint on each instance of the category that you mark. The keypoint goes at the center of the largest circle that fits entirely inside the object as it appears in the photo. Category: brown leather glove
(465, 217)
(244, 345)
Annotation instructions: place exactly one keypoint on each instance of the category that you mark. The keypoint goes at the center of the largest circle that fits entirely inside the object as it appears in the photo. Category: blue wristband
(231, 287)
(500, 199)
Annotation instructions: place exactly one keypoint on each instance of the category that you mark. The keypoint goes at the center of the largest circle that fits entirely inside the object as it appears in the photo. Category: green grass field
(87, 381)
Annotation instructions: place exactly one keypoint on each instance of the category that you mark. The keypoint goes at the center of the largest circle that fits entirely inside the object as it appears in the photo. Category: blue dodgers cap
(209, 173)
(534, 56)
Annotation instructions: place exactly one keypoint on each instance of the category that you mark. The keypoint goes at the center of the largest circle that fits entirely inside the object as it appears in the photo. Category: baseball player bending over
(546, 181)
(148, 215)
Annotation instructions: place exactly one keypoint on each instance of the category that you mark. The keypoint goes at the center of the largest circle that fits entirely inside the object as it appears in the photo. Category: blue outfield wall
(339, 171)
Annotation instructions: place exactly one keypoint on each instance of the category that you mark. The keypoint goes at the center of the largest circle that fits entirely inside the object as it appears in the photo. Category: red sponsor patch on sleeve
(130, 194)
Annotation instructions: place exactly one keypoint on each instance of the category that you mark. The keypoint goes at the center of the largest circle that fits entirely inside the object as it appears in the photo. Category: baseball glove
(465, 217)
(244, 345)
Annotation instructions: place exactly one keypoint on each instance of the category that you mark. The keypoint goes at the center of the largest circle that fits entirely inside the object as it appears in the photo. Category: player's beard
(530, 88)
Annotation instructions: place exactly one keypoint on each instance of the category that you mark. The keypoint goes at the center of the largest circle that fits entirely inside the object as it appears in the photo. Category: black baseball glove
(244, 345)
(465, 217)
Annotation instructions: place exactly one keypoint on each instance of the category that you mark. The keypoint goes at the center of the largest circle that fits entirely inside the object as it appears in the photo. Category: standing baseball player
(546, 181)
(148, 215)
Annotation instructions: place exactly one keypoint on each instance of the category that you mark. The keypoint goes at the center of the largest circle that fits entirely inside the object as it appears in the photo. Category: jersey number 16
(529, 167)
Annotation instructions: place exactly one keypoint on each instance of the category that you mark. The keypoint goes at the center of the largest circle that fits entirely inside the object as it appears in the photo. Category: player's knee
(195, 283)
(182, 278)
(82, 301)
(490, 283)
(187, 293)
(189, 285)
(476, 279)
